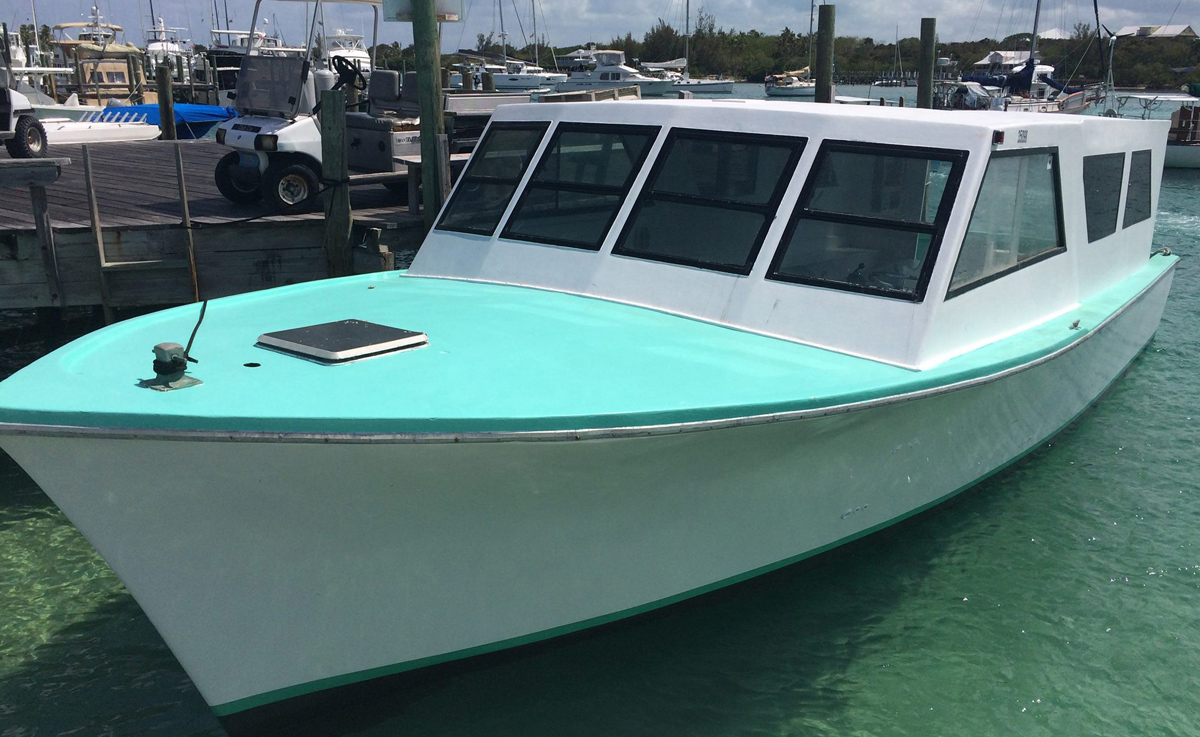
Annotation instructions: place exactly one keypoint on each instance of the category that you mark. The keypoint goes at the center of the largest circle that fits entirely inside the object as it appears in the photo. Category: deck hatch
(342, 340)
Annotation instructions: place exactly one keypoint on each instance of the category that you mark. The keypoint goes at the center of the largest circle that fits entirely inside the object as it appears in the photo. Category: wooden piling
(926, 62)
(166, 102)
(489, 82)
(445, 78)
(425, 38)
(136, 93)
(825, 36)
(468, 81)
(335, 176)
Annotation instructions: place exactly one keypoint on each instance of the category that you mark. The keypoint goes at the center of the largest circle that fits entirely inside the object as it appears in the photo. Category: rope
(188, 350)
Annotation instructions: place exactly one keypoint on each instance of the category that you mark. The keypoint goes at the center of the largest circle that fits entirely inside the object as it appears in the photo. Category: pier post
(489, 82)
(425, 38)
(136, 93)
(166, 102)
(335, 175)
(927, 61)
(825, 35)
(468, 81)
(445, 78)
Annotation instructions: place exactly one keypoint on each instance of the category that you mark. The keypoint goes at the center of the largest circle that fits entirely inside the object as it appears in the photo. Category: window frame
(957, 158)
(530, 125)
(653, 131)
(1122, 185)
(1150, 210)
(770, 209)
(1062, 235)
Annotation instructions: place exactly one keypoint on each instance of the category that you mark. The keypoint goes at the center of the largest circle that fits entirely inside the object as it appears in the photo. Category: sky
(578, 21)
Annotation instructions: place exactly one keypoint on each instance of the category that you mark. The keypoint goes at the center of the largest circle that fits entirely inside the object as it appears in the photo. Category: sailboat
(798, 83)
(685, 82)
(897, 79)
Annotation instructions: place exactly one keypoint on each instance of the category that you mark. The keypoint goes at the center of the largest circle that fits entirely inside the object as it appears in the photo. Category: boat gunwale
(610, 433)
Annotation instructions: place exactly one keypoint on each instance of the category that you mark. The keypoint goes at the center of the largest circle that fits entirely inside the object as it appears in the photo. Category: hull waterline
(277, 566)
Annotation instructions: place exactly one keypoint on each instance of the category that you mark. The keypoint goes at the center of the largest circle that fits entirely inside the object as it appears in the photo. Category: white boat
(164, 46)
(349, 46)
(659, 349)
(791, 84)
(611, 71)
(91, 129)
(682, 79)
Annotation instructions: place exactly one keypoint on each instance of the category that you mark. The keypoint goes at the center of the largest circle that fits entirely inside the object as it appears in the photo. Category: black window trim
(652, 131)
(957, 158)
(797, 144)
(1129, 183)
(531, 125)
(1044, 255)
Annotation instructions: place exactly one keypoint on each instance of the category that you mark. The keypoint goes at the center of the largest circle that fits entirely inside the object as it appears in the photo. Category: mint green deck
(500, 359)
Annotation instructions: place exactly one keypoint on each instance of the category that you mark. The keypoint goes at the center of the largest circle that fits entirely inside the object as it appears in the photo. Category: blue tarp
(191, 121)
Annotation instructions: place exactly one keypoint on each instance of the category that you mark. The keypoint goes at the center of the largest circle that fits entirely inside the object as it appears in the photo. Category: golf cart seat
(383, 90)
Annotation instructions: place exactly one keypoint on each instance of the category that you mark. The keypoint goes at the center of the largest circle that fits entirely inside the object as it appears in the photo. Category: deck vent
(342, 341)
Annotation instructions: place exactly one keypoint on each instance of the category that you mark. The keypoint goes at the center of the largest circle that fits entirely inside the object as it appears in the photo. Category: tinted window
(579, 184)
(710, 199)
(1137, 199)
(484, 191)
(870, 219)
(1017, 218)
(1102, 177)
(893, 187)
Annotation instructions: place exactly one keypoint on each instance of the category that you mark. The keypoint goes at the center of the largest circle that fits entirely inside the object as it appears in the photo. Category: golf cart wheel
(29, 139)
(289, 186)
(235, 189)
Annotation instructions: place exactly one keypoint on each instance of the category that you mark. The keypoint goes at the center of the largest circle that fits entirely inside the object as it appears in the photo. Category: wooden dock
(145, 259)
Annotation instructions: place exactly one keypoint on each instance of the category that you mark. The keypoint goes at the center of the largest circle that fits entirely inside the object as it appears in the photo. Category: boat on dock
(649, 350)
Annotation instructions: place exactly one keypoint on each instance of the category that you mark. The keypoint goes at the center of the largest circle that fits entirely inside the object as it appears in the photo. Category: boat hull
(705, 86)
(798, 91)
(277, 566)
(650, 88)
(1182, 155)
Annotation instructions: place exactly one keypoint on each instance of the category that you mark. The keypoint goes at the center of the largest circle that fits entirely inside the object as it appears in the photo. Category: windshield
(270, 85)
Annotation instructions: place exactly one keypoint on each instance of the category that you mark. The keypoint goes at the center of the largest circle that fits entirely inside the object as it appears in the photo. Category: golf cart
(276, 141)
(22, 133)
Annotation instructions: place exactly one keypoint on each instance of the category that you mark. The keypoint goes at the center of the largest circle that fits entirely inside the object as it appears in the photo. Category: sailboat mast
(503, 35)
(1037, 11)
(533, 7)
(37, 44)
(687, 37)
(812, 7)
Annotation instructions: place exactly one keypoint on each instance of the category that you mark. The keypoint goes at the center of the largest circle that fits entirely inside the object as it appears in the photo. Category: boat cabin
(904, 236)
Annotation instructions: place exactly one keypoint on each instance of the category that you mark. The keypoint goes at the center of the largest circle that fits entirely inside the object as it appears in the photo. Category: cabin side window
(488, 184)
(1137, 199)
(1102, 176)
(870, 219)
(710, 199)
(579, 184)
(1017, 219)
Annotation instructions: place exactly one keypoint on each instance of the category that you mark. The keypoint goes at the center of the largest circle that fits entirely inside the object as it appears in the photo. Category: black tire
(289, 186)
(235, 189)
(29, 139)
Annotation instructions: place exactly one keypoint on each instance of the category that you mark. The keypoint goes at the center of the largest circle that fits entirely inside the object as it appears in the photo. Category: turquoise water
(1059, 598)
